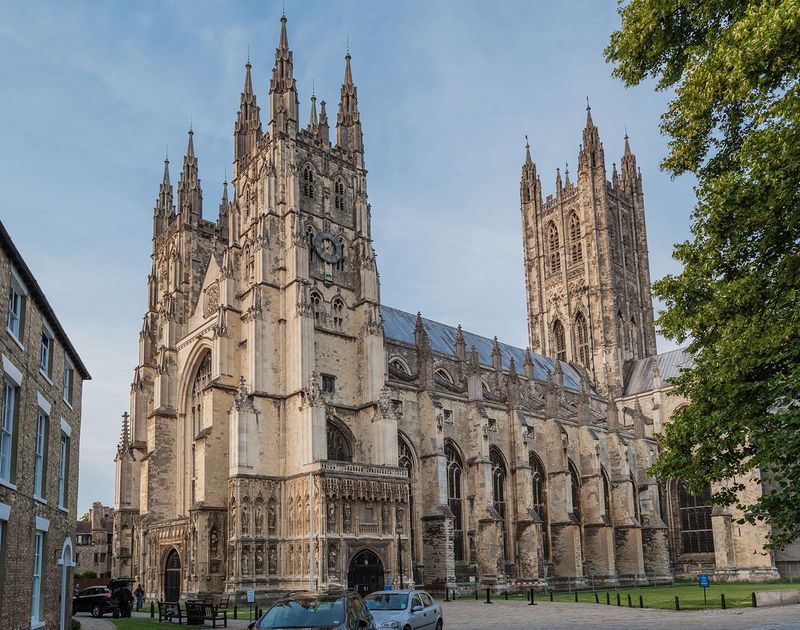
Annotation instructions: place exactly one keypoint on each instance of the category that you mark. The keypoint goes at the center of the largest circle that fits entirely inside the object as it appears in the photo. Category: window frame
(16, 288)
(46, 351)
(325, 380)
(560, 341)
(455, 500)
(38, 575)
(40, 456)
(63, 471)
(68, 382)
(9, 414)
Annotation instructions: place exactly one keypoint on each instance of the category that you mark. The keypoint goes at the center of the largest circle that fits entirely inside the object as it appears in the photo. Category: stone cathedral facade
(287, 429)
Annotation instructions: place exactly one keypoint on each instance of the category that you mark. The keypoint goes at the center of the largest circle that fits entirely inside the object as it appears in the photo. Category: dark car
(328, 611)
(96, 600)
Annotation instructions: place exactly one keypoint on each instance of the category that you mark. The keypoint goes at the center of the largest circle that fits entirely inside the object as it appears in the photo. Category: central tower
(586, 264)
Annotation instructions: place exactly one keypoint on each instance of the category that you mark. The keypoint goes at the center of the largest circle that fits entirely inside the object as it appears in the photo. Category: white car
(404, 610)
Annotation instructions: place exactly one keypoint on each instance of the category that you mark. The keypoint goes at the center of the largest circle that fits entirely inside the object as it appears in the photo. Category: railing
(363, 469)
(368, 529)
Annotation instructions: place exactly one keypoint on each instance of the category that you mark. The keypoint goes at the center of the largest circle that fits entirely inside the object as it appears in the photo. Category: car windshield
(387, 601)
(311, 613)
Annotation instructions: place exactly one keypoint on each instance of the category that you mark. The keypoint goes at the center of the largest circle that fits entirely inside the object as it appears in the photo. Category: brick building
(93, 541)
(40, 398)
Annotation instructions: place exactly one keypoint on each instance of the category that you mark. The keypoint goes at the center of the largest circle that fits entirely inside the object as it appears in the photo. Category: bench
(168, 611)
(198, 612)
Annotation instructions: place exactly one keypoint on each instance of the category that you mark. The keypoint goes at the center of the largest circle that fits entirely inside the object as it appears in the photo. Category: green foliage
(86, 574)
(734, 122)
(74, 624)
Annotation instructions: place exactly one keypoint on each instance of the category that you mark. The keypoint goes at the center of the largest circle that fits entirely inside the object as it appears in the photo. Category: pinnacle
(528, 159)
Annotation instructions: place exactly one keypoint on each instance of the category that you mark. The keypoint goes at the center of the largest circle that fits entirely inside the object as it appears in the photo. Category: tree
(734, 122)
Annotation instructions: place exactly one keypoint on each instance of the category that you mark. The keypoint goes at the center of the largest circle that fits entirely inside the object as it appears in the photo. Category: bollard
(506, 594)
(152, 611)
(447, 594)
(618, 602)
(677, 603)
(641, 602)
(476, 593)
(576, 597)
(608, 598)
(551, 596)
(630, 604)
(596, 597)
(722, 597)
(488, 596)
(235, 611)
(532, 602)
(753, 599)
(454, 594)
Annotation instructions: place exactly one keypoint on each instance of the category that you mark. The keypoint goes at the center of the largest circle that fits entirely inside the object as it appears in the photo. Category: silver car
(404, 610)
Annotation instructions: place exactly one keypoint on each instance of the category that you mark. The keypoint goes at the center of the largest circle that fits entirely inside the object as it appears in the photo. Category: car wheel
(407, 628)
(96, 612)
(439, 625)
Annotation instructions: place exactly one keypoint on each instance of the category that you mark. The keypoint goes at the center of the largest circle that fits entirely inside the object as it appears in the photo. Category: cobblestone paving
(470, 615)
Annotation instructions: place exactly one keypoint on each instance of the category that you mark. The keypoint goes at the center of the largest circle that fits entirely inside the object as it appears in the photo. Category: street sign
(251, 597)
(703, 581)
(472, 580)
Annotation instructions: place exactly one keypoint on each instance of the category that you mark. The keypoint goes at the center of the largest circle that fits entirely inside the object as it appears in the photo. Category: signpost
(703, 582)
(251, 598)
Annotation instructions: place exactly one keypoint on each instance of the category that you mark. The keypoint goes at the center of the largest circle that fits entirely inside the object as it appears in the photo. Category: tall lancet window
(575, 484)
(499, 474)
(405, 459)
(606, 494)
(554, 244)
(575, 245)
(540, 499)
(201, 379)
(582, 336)
(559, 340)
(308, 182)
(338, 195)
(634, 338)
(454, 469)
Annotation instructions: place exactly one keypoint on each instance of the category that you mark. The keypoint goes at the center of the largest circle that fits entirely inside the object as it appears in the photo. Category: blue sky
(447, 90)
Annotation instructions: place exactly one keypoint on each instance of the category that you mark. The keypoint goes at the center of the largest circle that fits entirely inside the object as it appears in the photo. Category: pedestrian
(127, 596)
(139, 592)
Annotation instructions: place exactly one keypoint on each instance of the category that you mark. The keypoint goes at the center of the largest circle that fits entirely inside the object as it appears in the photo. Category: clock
(328, 247)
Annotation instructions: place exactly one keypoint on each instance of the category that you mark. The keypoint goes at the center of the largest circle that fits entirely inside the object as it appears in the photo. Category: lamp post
(400, 553)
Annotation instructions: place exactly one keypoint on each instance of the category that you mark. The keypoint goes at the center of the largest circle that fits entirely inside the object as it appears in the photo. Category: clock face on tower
(328, 247)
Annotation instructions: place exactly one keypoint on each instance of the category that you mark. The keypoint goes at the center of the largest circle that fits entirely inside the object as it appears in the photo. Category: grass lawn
(737, 595)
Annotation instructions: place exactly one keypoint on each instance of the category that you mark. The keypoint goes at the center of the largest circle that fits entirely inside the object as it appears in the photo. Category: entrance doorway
(172, 577)
(365, 574)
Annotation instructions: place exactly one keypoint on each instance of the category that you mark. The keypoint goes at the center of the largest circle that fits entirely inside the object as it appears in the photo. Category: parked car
(405, 610)
(331, 611)
(96, 600)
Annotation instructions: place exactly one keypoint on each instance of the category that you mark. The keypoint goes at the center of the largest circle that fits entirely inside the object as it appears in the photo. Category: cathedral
(287, 430)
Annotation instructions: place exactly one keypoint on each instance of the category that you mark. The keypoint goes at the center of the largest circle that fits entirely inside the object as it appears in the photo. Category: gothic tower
(586, 264)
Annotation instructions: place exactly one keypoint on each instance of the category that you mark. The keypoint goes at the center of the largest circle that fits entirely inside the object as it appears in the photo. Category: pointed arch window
(338, 195)
(455, 469)
(308, 182)
(539, 486)
(444, 375)
(499, 474)
(695, 510)
(399, 365)
(637, 509)
(621, 337)
(606, 493)
(316, 307)
(559, 340)
(554, 244)
(575, 485)
(338, 313)
(575, 245)
(405, 459)
(339, 448)
(582, 336)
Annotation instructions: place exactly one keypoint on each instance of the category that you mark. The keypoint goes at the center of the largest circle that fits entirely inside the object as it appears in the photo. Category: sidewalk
(90, 623)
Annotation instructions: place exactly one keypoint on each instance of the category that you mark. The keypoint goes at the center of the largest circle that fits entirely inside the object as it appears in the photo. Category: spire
(567, 183)
(627, 144)
(558, 181)
(323, 130)
(497, 355)
(591, 153)
(461, 345)
(125, 435)
(282, 88)
(629, 176)
(348, 122)
(247, 130)
(527, 366)
(190, 195)
(528, 160)
(164, 207)
(312, 121)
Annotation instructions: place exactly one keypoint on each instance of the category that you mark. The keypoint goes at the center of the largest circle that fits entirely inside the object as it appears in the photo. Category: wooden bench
(198, 612)
(169, 611)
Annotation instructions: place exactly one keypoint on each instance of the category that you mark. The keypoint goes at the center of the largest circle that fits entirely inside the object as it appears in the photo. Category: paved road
(90, 623)
(516, 615)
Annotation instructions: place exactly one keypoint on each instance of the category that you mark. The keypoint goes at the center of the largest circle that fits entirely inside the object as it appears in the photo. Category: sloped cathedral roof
(399, 326)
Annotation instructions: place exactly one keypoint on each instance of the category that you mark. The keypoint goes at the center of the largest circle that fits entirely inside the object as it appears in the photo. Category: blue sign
(703, 580)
